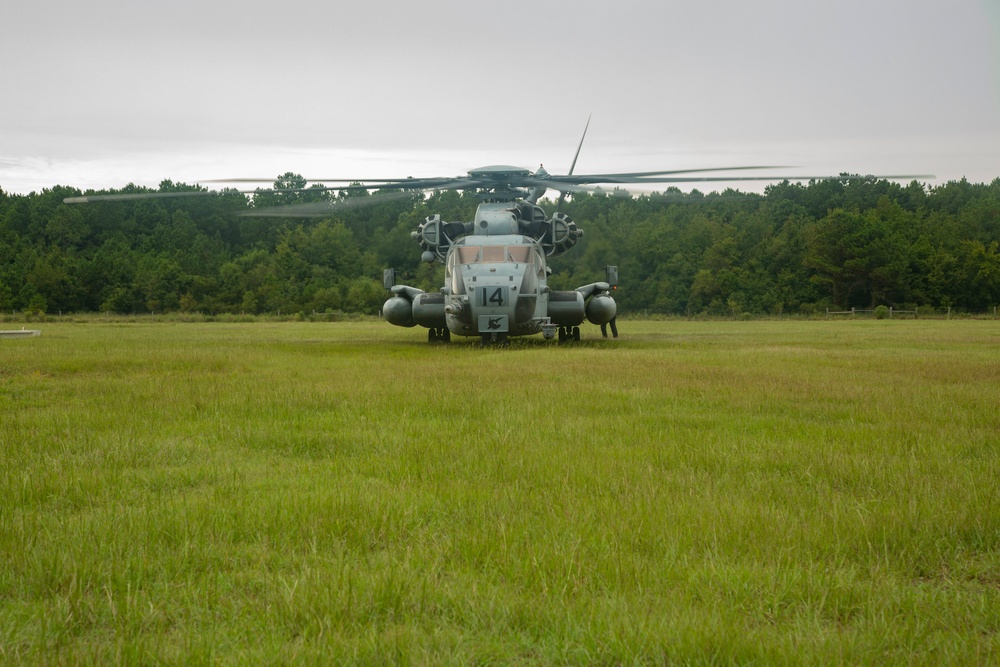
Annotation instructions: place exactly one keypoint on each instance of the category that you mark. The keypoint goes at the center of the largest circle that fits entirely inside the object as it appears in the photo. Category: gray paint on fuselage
(486, 281)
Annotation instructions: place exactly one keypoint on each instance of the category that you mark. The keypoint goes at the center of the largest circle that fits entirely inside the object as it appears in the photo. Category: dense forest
(798, 248)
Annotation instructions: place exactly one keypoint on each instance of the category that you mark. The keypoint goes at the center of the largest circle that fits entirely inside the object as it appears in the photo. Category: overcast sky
(100, 93)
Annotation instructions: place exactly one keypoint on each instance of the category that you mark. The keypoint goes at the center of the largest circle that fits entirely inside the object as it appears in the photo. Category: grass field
(799, 492)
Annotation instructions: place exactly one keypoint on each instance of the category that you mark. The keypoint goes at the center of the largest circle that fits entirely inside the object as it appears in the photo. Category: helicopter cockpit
(526, 258)
(473, 254)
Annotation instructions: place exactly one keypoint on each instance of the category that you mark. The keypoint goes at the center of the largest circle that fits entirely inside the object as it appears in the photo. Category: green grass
(795, 492)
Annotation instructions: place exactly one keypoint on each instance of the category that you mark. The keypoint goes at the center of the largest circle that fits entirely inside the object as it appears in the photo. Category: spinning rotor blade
(504, 181)
(431, 182)
(558, 182)
(136, 196)
(87, 199)
(777, 179)
(564, 188)
(627, 176)
(322, 209)
(428, 183)
(307, 180)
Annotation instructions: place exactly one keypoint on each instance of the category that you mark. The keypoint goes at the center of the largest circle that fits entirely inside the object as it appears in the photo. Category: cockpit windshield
(490, 254)
(467, 254)
(519, 253)
(528, 256)
(493, 253)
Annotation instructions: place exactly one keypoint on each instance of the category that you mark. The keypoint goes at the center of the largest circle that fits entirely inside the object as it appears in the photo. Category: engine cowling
(430, 236)
(435, 236)
(561, 235)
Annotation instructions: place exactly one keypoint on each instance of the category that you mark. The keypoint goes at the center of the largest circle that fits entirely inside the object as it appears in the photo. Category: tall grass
(694, 492)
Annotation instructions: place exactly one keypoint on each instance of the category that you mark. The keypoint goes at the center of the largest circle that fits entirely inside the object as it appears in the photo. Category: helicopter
(496, 270)
(496, 265)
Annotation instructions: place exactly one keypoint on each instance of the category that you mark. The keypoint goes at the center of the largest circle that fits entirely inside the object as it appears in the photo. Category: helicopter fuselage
(495, 285)
(496, 278)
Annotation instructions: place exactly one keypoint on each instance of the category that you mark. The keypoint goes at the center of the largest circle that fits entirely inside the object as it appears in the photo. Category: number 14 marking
(493, 298)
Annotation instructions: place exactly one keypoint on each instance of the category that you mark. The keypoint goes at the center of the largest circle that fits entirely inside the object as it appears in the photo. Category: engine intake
(435, 236)
(561, 235)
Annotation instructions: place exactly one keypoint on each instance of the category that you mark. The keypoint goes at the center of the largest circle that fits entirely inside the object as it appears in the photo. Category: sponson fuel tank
(410, 307)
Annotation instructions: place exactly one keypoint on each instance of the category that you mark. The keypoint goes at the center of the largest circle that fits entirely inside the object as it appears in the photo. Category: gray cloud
(107, 88)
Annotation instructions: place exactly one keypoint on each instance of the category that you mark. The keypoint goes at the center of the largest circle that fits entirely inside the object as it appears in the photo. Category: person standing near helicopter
(614, 328)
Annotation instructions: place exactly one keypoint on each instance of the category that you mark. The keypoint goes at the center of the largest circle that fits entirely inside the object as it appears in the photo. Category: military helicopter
(495, 268)
(496, 271)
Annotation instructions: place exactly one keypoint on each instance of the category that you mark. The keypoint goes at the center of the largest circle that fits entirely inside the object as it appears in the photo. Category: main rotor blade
(559, 186)
(457, 182)
(132, 196)
(572, 166)
(307, 180)
(368, 183)
(322, 209)
(137, 196)
(721, 179)
(630, 177)
(449, 183)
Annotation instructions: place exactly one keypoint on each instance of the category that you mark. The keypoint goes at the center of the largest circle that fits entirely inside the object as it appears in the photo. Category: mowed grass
(793, 492)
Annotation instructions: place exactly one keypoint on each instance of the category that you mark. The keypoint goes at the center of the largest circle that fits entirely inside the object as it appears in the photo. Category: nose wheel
(439, 335)
(498, 339)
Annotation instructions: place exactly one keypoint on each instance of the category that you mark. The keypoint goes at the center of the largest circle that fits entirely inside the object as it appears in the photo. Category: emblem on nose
(494, 323)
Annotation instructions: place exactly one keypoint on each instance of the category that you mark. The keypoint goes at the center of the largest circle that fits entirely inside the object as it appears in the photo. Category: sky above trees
(107, 92)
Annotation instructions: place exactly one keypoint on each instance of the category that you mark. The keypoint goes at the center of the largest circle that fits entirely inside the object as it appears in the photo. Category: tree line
(798, 248)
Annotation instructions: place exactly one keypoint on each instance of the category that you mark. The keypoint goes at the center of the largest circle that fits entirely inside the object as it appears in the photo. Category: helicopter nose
(492, 303)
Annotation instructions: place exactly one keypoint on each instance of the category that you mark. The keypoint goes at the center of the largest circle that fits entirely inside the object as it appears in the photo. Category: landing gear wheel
(498, 339)
(569, 333)
(439, 335)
